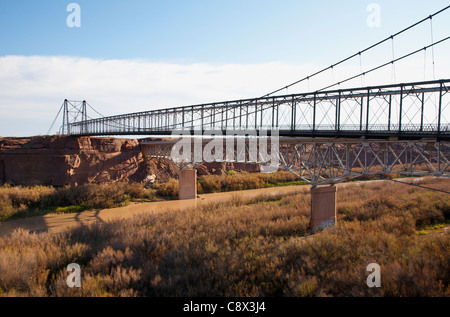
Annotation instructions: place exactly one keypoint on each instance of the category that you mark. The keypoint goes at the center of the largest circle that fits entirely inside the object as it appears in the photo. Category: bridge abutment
(187, 184)
(323, 207)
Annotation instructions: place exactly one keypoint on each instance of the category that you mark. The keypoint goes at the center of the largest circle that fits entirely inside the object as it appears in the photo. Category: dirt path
(58, 223)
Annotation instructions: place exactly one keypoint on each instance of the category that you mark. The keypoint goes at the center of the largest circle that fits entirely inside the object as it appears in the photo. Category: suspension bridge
(323, 137)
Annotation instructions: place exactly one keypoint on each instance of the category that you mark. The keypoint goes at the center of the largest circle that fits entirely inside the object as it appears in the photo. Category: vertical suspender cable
(332, 74)
(394, 79)
(359, 53)
(361, 69)
(424, 64)
(432, 48)
(386, 64)
(432, 61)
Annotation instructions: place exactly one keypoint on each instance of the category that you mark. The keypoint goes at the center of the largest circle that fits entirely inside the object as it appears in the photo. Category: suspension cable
(355, 55)
(95, 110)
(432, 49)
(386, 64)
(361, 69)
(56, 118)
(424, 64)
(394, 77)
(359, 53)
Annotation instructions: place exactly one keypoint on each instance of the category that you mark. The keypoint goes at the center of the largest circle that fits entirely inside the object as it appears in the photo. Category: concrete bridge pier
(323, 207)
(187, 184)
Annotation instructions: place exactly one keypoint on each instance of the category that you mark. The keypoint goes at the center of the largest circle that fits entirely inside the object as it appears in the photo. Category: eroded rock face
(61, 160)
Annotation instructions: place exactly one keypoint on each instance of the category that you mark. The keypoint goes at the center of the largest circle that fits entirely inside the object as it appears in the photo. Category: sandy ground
(58, 223)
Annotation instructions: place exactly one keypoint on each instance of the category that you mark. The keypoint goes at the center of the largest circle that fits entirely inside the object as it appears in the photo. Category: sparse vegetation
(16, 202)
(232, 182)
(248, 248)
(244, 181)
(19, 201)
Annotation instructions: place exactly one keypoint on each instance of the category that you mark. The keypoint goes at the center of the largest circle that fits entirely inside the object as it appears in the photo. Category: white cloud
(33, 88)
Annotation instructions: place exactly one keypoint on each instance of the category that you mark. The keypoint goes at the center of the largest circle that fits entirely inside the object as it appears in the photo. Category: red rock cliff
(61, 160)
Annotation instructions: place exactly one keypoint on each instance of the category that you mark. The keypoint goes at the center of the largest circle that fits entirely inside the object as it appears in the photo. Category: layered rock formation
(63, 160)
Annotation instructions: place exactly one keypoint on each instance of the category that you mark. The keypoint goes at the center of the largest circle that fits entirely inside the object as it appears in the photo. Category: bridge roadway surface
(57, 223)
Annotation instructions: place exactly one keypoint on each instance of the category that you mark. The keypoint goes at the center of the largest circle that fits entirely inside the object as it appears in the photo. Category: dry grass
(30, 201)
(19, 201)
(247, 248)
(231, 182)
(244, 181)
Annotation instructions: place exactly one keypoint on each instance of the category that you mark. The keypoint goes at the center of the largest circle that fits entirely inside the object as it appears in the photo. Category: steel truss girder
(331, 161)
(334, 161)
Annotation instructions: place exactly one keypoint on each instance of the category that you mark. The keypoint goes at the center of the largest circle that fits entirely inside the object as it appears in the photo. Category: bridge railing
(422, 108)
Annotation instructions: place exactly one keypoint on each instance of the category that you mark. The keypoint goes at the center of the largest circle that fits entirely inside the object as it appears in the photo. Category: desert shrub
(29, 201)
(244, 181)
(30, 197)
(279, 177)
(428, 208)
(168, 189)
(6, 208)
(211, 183)
(257, 247)
(23, 201)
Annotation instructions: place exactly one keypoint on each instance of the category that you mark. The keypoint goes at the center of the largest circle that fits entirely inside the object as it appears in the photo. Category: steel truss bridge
(406, 111)
(320, 161)
(324, 137)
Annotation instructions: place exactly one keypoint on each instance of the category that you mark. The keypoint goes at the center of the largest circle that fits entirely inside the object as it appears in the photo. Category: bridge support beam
(323, 207)
(187, 184)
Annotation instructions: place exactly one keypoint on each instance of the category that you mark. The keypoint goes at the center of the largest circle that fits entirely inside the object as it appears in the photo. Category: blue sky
(186, 31)
(150, 54)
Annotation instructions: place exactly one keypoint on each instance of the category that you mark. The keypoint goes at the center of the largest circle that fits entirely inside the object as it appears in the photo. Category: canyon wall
(63, 160)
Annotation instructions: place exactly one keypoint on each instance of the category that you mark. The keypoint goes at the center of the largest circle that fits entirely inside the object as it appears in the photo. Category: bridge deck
(409, 111)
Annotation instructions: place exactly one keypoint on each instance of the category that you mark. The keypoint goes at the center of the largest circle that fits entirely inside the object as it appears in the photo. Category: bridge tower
(71, 113)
